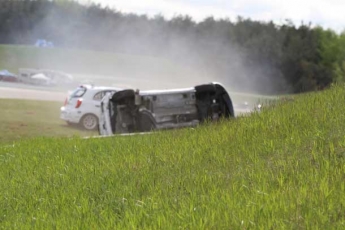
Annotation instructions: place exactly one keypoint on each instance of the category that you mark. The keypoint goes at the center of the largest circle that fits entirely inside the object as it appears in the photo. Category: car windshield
(79, 92)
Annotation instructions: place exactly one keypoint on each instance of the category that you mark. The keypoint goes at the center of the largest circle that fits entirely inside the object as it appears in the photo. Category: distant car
(82, 106)
(130, 111)
(45, 77)
(41, 79)
(7, 76)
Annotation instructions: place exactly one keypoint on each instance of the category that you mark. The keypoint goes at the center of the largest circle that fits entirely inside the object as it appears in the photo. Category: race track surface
(32, 94)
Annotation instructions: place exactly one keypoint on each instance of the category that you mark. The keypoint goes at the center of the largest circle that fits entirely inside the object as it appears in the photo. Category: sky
(326, 13)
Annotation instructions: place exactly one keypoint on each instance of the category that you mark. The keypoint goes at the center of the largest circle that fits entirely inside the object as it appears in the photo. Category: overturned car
(130, 111)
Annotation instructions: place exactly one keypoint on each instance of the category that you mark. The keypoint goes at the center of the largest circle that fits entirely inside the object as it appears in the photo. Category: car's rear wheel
(89, 122)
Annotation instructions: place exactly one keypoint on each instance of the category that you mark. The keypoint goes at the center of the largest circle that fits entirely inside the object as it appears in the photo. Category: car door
(97, 98)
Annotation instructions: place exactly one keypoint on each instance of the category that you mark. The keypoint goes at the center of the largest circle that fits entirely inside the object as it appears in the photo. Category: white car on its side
(82, 106)
(134, 111)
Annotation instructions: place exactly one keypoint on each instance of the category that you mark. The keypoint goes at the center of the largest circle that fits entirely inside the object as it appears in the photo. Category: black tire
(228, 103)
(146, 124)
(221, 91)
(89, 122)
(209, 88)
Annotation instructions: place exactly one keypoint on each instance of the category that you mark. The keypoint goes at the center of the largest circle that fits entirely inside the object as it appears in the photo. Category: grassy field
(23, 119)
(283, 168)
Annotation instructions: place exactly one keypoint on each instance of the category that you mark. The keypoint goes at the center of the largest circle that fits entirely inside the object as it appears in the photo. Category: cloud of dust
(151, 54)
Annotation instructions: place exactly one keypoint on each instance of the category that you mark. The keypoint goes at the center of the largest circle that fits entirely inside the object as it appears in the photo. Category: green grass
(23, 119)
(283, 168)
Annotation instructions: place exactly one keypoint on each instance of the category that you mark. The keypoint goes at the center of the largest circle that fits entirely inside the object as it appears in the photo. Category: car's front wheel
(89, 122)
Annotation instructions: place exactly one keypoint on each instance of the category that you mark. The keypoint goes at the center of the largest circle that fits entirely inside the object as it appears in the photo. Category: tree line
(253, 54)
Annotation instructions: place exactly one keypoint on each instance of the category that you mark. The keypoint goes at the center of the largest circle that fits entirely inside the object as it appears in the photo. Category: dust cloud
(140, 61)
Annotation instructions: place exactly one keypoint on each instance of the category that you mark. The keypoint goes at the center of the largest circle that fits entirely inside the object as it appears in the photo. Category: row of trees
(251, 54)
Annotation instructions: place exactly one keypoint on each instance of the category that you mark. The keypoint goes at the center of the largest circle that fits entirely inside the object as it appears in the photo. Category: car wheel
(89, 122)
(207, 88)
(146, 124)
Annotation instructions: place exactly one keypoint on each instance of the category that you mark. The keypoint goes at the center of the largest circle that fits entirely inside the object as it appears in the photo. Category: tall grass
(282, 168)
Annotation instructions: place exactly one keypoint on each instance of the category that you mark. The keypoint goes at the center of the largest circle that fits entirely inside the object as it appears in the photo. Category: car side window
(79, 92)
(98, 96)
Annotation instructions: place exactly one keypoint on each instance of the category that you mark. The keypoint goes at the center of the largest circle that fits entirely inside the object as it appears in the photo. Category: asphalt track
(31, 94)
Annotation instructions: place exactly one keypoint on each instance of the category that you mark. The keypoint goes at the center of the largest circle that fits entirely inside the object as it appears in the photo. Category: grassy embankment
(283, 168)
